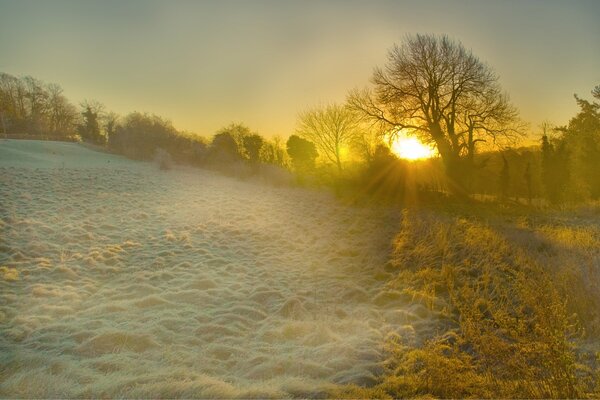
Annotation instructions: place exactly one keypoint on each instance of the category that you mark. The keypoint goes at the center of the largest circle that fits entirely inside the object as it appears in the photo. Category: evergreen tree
(90, 128)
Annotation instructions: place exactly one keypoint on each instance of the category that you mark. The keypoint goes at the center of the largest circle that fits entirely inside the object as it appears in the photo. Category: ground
(119, 279)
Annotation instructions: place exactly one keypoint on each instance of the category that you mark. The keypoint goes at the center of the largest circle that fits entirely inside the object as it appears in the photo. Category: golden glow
(411, 148)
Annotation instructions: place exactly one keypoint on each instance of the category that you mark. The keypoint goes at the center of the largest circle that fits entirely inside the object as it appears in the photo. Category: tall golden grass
(517, 301)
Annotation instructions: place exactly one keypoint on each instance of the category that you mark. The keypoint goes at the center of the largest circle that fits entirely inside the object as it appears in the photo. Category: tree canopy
(302, 152)
(433, 87)
(330, 128)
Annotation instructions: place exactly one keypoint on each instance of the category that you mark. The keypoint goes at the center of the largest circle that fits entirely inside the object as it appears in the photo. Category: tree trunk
(452, 162)
(455, 173)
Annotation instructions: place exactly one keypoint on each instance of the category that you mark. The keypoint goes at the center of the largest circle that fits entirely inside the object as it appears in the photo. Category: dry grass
(517, 300)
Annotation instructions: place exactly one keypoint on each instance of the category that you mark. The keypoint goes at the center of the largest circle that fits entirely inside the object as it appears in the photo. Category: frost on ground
(118, 279)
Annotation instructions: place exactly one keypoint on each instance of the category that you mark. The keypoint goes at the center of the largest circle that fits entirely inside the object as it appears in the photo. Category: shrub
(140, 135)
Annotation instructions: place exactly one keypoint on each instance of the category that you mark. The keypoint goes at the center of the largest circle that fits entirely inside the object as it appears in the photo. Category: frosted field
(117, 279)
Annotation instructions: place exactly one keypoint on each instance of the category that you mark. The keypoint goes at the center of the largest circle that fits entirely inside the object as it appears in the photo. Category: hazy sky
(204, 64)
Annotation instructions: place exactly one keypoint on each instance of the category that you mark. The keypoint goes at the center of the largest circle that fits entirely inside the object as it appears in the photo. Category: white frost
(135, 282)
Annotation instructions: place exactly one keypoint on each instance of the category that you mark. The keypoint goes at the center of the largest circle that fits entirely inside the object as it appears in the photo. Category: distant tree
(237, 131)
(570, 167)
(253, 144)
(110, 120)
(10, 113)
(224, 148)
(89, 129)
(330, 128)
(274, 152)
(29, 106)
(37, 100)
(147, 136)
(13, 110)
(302, 152)
(3, 115)
(436, 89)
(581, 137)
(556, 172)
(367, 138)
(62, 114)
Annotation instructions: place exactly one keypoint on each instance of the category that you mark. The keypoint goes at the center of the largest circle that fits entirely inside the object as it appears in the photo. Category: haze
(206, 64)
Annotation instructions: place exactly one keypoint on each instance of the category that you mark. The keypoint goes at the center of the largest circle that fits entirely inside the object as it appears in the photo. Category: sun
(411, 148)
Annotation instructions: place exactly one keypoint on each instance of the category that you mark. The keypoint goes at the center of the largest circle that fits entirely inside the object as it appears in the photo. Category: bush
(140, 135)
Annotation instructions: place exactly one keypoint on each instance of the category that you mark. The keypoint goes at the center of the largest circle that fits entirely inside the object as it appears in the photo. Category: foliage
(233, 144)
(302, 152)
(581, 140)
(224, 148)
(384, 178)
(140, 135)
(368, 138)
(110, 123)
(555, 170)
(273, 152)
(89, 130)
(252, 145)
(563, 170)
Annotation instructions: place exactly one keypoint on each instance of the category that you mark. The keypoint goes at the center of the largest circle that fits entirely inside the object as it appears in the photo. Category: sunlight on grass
(511, 328)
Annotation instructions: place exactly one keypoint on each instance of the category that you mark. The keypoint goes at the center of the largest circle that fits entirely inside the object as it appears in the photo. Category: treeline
(33, 109)
(571, 156)
(332, 146)
(29, 106)
(564, 169)
(234, 149)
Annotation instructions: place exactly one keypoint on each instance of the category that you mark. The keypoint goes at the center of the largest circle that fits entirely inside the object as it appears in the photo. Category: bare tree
(367, 139)
(37, 98)
(61, 113)
(436, 89)
(489, 119)
(29, 105)
(110, 122)
(330, 128)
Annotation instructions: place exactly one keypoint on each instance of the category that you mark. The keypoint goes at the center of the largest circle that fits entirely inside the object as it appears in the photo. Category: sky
(206, 64)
